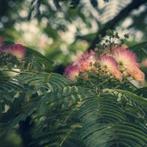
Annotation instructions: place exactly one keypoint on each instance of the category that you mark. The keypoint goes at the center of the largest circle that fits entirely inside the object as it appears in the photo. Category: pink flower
(72, 71)
(86, 61)
(125, 57)
(137, 74)
(128, 63)
(17, 50)
(109, 64)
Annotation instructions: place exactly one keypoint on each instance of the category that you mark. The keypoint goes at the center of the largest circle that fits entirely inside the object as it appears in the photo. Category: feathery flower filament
(127, 61)
(72, 71)
(125, 57)
(137, 74)
(86, 61)
(119, 62)
(108, 64)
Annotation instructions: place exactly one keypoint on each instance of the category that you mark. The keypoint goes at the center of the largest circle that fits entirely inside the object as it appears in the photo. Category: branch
(112, 23)
(109, 25)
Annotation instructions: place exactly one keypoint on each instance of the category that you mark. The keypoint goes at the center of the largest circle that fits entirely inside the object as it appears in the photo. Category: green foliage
(140, 50)
(106, 123)
(92, 112)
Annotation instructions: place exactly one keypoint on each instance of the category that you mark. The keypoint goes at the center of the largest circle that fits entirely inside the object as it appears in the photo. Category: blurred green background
(60, 29)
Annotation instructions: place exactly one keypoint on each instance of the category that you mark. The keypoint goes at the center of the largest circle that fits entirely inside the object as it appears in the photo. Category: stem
(112, 23)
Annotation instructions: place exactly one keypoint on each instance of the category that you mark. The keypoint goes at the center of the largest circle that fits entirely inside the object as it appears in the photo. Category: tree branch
(112, 23)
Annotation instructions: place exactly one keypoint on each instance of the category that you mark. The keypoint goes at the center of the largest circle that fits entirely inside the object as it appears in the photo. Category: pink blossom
(86, 61)
(15, 49)
(137, 74)
(72, 71)
(128, 63)
(125, 57)
(109, 64)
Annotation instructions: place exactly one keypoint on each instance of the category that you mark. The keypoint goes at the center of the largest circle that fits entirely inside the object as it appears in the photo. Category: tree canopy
(73, 73)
